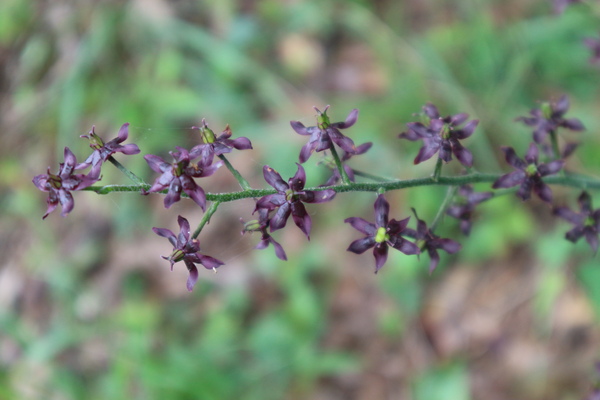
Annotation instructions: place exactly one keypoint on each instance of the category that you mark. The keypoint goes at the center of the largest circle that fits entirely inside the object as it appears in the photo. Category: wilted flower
(441, 136)
(381, 234)
(528, 174)
(335, 173)
(587, 222)
(289, 198)
(187, 250)
(427, 240)
(102, 151)
(261, 225)
(59, 186)
(322, 135)
(213, 145)
(465, 206)
(594, 45)
(549, 117)
(179, 175)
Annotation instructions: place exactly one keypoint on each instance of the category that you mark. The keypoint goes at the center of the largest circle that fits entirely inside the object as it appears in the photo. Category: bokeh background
(89, 310)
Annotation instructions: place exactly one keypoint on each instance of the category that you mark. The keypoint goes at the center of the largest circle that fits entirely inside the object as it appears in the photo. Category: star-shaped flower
(528, 174)
(179, 176)
(59, 186)
(381, 234)
(322, 135)
(427, 240)
(187, 250)
(102, 151)
(549, 117)
(587, 221)
(442, 136)
(464, 207)
(212, 145)
(289, 199)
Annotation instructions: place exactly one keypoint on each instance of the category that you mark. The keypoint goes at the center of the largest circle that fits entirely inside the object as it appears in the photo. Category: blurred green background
(89, 310)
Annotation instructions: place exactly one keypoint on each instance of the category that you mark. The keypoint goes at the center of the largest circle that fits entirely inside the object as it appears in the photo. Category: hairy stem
(206, 218)
(340, 167)
(243, 182)
(577, 181)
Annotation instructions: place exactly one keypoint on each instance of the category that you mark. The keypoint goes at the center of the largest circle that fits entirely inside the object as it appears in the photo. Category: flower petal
(274, 179)
(362, 225)
(509, 180)
(359, 246)
(382, 209)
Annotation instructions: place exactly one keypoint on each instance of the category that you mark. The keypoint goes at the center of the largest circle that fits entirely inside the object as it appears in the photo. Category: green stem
(137, 180)
(371, 177)
(206, 218)
(443, 207)
(438, 170)
(340, 167)
(576, 181)
(554, 141)
(243, 183)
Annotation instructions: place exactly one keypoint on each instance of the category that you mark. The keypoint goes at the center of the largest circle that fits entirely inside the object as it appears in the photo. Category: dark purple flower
(261, 225)
(587, 222)
(322, 135)
(289, 199)
(441, 136)
(464, 208)
(427, 240)
(102, 151)
(528, 174)
(187, 250)
(594, 45)
(549, 117)
(212, 145)
(59, 186)
(381, 234)
(179, 175)
(335, 173)
(560, 5)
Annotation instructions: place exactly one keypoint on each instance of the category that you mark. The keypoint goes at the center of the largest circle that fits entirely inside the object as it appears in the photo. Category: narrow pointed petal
(296, 183)
(380, 252)
(306, 151)
(321, 196)
(300, 128)
(448, 245)
(585, 202)
(279, 252)
(509, 180)
(467, 130)
(359, 246)
(532, 154)
(382, 209)
(551, 167)
(209, 262)
(361, 225)
(592, 239)
(123, 132)
(569, 215)
(434, 258)
(350, 120)
(512, 158)
(431, 111)
(458, 119)
(197, 194)
(426, 152)
(543, 191)
(193, 275)
(166, 233)
(405, 246)
(184, 229)
(129, 149)
(301, 218)
(241, 143)
(573, 124)
(279, 220)
(463, 155)
(156, 163)
(274, 179)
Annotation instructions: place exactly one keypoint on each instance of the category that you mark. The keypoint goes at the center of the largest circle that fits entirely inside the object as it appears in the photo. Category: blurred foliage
(89, 310)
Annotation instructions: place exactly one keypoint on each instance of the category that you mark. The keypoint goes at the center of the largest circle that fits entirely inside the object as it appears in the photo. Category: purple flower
(102, 151)
(427, 240)
(587, 222)
(594, 45)
(179, 175)
(382, 234)
(322, 135)
(528, 174)
(59, 186)
(213, 145)
(187, 250)
(289, 199)
(261, 226)
(464, 208)
(549, 117)
(335, 173)
(441, 136)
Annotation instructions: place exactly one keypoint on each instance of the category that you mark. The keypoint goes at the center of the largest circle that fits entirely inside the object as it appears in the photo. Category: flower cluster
(439, 135)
